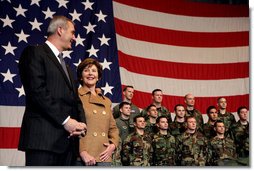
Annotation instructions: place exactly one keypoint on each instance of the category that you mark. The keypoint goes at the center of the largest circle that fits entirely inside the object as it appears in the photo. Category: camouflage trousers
(227, 162)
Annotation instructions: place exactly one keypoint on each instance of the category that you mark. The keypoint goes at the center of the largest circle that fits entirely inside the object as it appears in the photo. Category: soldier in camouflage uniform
(178, 126)
(117, 156)
(124, 127)
(191, 146)
(225, 116)
(137, 147)
(208, 128)
(152, 113)
(222, 150)
(164, 144)
(157, 98)
(240, 135)
(189, 100)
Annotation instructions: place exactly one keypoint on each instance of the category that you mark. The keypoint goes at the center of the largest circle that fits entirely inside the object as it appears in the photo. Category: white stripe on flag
(12, 157)
(195, 55)
(11, 116)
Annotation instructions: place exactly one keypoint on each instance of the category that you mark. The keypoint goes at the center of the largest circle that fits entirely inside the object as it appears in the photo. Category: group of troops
(152, 138)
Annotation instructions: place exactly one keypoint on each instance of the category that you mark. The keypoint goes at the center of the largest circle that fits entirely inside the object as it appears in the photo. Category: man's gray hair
(57, 21)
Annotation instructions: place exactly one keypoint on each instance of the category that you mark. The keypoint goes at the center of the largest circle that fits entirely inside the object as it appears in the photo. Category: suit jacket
(50, 99)
(101, 125)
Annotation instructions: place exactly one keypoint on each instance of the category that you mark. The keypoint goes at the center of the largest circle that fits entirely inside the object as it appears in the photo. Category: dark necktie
(60, 56)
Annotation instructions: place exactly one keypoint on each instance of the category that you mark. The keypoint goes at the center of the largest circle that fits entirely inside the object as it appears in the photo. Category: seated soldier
(222, 150)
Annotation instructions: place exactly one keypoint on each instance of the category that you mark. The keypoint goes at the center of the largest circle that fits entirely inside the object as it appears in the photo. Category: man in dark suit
(54, 116)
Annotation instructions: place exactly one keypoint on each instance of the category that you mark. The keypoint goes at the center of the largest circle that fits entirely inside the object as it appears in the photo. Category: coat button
(95, 134)
(94, 111)
(103, 112)
(103, 134)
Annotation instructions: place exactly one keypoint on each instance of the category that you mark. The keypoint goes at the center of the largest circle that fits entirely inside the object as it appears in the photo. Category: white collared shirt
(54, 49)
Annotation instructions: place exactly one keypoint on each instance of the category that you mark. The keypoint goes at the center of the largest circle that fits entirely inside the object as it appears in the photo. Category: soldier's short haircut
(218, 99)
(240, 108)
(128, 86)
(185, 97)
(210, 108)
(123, 103)
(175, 108)
(218, 121)
(157, 89)
(138, 116)
(189, 117)
(149, 107)
(159, 118)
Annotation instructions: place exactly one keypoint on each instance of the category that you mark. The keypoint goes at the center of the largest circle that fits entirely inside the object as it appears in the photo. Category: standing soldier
(157, 97)
(208, 128)
(240, 135)
(191, 146)
(137, 148)
(189, 100)
(179, 125)
(222, 150)
(225, 116)
(164, 144)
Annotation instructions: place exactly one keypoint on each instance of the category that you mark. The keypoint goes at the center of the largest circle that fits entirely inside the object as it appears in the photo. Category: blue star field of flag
(24, 22)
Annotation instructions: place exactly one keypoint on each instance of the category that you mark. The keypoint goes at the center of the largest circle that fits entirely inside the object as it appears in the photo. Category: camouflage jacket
(221, 149)
(191, 149)
(116, 156)
(164, 147)
(208, 130)
(137, 150)
(240, 135)
(177, 128)
(151, 128)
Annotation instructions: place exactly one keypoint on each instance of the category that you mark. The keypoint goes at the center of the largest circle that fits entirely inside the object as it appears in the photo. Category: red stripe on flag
(183, 70)
(181, 38)
(142, 100)
(9, 137)
(185, 7)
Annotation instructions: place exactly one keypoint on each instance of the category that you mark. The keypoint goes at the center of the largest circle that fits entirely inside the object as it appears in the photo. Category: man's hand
(75, 128)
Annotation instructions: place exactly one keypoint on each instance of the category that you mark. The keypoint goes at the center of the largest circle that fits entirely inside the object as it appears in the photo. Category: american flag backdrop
(178, 46)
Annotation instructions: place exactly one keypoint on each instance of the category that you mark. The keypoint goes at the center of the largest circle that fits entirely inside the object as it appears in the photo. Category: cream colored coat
(101, 125)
